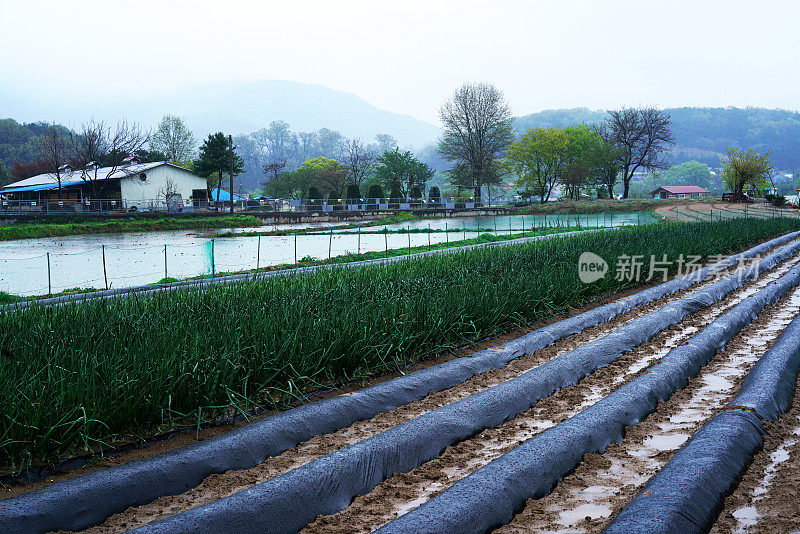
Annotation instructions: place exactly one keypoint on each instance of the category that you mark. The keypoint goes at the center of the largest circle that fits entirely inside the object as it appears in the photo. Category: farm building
(134, 186)
(679, 191)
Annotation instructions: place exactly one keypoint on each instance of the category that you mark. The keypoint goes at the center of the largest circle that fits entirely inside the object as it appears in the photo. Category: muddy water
(133, 259)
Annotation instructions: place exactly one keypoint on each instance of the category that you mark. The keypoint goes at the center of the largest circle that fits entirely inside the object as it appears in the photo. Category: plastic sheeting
(328, 484)
(87, 500)
(687, 494)
(490, 496)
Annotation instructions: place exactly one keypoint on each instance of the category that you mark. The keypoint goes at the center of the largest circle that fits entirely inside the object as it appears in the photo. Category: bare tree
(273, 170)
(167, 192)
(98, 145)
(359, 160)
(642, 136)
(477, 132)
(173, 138)
(54, 151)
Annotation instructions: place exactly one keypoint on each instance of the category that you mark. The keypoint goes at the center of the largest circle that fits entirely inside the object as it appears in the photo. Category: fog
(407, 57)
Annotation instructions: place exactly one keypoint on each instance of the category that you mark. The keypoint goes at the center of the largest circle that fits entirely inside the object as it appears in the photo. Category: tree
(152, 155)
(20, 171)
(606, 169)
(273, 170)
(218, 156)
(99, 146)
(5, 176)
(54, 152)
(386, 143)
(747, 168)
(434, 195)
(375, 193)
(539, 159)
(642, 136)
(404, 169)
(690, 173)
(353, 194)
(583, 145)
(477, 132)
(173, 138)
(329, 143)
(360, 160)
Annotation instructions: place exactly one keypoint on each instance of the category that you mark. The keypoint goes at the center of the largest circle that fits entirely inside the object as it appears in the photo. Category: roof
(45, 181)
(224, 196)
(681, 189)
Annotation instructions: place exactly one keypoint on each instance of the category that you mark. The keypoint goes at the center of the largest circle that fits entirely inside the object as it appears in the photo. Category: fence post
(213, 261)
(330, 245)
(409, 238)
(446, 232)
(105, 276)
(49, 283)
(258, 253)
(429, 236)
(495, 226)
(295, 248)
(386, 239)
(165, 263)
(359, 239)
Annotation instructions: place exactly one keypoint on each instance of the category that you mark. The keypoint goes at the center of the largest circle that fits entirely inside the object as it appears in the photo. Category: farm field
(562, 425)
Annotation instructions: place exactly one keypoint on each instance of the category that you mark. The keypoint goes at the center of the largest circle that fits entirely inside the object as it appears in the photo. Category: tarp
(687, 493)
(224, 196)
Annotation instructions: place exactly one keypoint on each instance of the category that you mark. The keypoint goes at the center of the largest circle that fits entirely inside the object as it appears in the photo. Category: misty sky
(408, 56)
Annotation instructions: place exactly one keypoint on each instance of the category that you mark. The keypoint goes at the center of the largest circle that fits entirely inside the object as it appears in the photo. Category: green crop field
(84, 375)
(65, 227)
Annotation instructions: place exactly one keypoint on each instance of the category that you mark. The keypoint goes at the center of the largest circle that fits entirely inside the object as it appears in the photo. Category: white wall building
(138, 186)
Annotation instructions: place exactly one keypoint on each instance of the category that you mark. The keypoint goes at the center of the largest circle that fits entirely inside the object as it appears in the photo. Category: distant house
(134, 186)
(679, 191)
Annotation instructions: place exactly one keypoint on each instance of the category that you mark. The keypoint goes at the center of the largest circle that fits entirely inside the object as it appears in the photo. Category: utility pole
(230, 168)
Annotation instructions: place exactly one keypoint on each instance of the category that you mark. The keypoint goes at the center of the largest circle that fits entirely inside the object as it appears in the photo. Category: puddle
(747, 516)
(666, 442)
(594, 511)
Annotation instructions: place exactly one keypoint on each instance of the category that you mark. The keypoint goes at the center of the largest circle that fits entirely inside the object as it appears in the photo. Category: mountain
(236, 108)
(704, 134)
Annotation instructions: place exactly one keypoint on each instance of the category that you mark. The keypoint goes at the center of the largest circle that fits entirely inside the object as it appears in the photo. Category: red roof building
(679, 191)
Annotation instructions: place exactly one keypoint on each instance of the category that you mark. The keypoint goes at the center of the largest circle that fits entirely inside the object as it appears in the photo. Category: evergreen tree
(217, 156)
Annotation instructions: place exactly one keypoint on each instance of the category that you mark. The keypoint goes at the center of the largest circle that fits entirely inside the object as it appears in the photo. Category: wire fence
(100, 265)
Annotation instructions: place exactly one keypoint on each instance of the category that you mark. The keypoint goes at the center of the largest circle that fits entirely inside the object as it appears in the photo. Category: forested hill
(704, 134)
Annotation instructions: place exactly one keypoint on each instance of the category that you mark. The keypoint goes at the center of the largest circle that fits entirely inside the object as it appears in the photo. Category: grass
(394, 219)
(601, 205)
(8, 298)
(65, 227)
(85, 375)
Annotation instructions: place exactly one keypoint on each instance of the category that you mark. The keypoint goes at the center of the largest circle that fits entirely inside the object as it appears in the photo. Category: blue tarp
(42, 187)
(224, 196)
